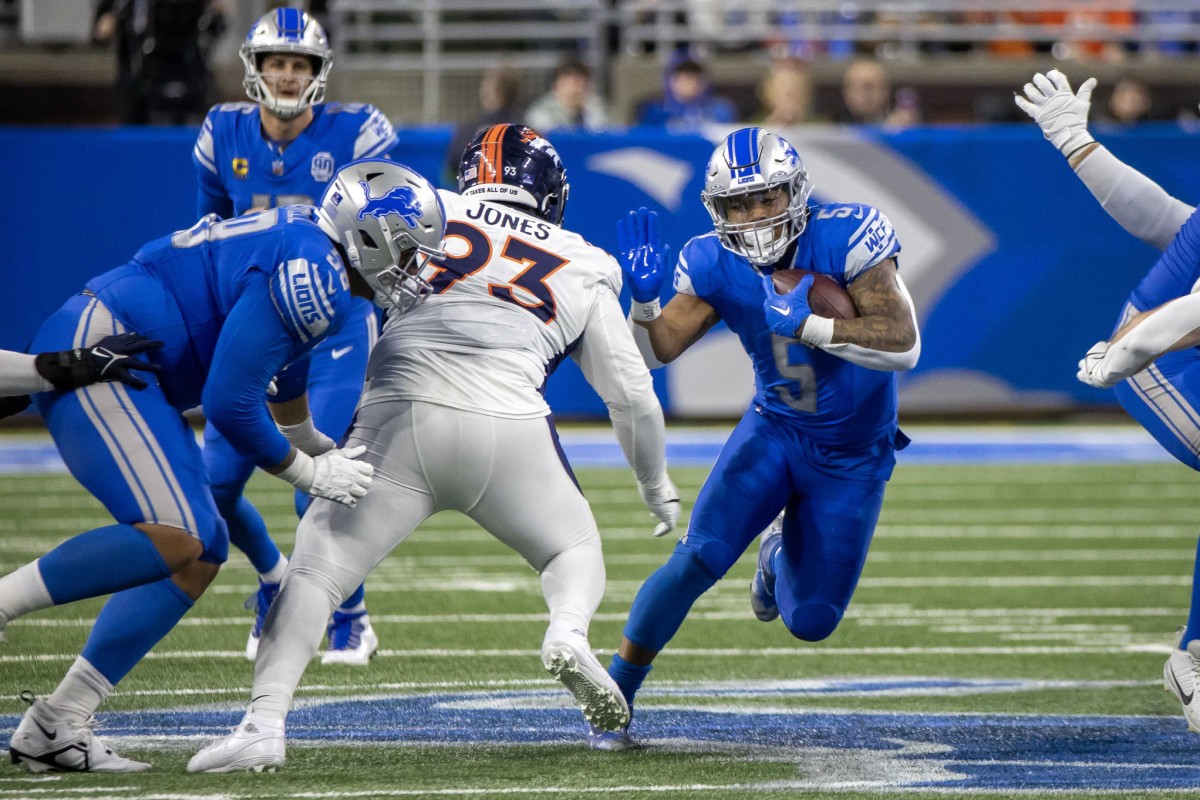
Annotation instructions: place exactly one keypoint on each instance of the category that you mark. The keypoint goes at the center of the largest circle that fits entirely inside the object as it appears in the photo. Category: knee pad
(335, 582)
(713, 556)
(813, 622)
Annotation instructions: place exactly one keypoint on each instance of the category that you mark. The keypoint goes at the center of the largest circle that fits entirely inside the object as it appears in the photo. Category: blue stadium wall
(1015, 269)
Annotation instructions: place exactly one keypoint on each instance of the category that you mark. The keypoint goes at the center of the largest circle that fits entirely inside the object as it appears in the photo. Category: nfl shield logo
(322, 167)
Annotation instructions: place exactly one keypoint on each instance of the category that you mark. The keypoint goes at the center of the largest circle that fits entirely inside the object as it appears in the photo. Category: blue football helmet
(286, 30)
(514, 164)
(749, 161)
(390, 222)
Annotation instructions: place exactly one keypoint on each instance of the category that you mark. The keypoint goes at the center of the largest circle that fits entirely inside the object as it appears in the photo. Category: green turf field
(1007, 638)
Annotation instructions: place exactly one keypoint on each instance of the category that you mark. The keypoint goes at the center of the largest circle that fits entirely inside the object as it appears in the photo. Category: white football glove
(334, 475)
(305, 437)
(662, 499)
(1092, 370)
(1059, 112)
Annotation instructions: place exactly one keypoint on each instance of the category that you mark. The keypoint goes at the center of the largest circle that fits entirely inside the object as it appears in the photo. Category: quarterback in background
(283, 149)
(453, 418)
(819, 438)
(1151, 361)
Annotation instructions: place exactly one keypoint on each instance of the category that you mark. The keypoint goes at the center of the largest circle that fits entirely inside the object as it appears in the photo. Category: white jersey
(514, 295)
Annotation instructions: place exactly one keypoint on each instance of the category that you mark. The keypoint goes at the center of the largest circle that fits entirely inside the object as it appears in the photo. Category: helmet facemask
(761, 241)
(750, 165)
(400, 286)
(286, 31)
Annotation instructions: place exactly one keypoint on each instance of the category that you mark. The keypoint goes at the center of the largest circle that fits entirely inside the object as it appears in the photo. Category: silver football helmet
(286, 30)
(390, 221)
(750, 161)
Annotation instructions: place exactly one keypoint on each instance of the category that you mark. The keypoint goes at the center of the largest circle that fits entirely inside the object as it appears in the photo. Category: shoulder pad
(306, 294)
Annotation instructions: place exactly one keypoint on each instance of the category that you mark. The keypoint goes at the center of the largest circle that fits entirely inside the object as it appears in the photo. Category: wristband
(645, 312)
(816, 331)
(304, 435)
(300, 472)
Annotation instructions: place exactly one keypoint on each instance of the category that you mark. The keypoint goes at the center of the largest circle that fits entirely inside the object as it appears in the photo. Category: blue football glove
(642, 254)
(786, 312)
(109, 359)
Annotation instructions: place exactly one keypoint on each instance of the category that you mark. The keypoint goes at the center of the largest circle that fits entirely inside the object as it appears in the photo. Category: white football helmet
(754, 160)
(286, 30)
(391, 222)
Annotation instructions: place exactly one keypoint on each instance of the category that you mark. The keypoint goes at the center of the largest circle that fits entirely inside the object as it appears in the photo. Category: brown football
(826, 298)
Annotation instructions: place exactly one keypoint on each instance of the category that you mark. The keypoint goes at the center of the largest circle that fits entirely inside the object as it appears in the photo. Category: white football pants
(505, 474)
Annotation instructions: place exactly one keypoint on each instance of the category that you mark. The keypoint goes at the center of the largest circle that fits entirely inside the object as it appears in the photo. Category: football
(826, 298)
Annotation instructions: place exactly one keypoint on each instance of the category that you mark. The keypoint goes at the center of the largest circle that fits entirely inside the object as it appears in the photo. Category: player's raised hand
(1061, 113)
(339, 476)
(642, 254)
(110, 359)
(662, 498)
(786, 313)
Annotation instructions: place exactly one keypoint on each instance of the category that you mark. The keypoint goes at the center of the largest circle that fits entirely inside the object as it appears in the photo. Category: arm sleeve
(1156, 334)
(211, 197)
(880, 359)
(19, 375)
(1138, 204)
(612, 365)
(253, 347)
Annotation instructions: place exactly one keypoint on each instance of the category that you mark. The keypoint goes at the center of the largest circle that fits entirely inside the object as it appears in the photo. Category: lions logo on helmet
(756, 161)
(286, 30)
(390, 221)
(515, 164)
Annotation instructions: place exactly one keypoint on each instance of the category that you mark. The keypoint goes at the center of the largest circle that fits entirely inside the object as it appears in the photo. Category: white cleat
(1180, 679)
(3, 625)
(44, 742)
(571, 662)
(352, 640)
(252, 747)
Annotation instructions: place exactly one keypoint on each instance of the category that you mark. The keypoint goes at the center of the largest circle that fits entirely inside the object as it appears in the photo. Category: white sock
(290, 640)
(573, 585)
(23, 591)
(81, 691)
(275, 574)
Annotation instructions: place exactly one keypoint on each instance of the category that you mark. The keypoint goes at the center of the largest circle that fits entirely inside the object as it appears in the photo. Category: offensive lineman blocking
(452, 418)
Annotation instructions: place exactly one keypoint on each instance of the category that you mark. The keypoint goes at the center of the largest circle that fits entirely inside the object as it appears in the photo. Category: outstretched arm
(1171, 326)
(1138, 204)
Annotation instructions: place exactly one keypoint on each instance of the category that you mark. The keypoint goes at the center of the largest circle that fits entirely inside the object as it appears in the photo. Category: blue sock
(131, 623)
(248, 533)
(665, 599)
(356, 599)
(1193, 624)
(628, 676)
(125, 556)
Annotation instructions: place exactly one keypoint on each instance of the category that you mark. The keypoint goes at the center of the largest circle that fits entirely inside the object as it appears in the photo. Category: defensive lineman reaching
(452, 418)
(818, 439)
(279, 150)
(234, 303)
(1151, 359)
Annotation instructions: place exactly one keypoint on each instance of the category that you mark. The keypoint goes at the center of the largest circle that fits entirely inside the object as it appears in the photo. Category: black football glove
(107, 360)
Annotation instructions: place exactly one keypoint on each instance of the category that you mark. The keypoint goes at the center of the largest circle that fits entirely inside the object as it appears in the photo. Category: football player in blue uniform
(234, 303)
(1151, 360)
(283, 149)
(819, 438)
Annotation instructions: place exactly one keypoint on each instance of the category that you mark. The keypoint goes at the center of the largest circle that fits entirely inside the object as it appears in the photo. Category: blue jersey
(834, 402)
(233, 303)
(1176, 272)
(239, 169)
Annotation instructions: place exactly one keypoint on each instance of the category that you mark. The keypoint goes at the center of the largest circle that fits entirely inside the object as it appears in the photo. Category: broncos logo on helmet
(399, 200)
(515, 164)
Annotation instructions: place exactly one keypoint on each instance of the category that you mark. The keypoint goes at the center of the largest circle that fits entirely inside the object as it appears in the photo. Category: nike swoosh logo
(780, 309)
(1184, 696)
(48, 734)
(338, 352)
